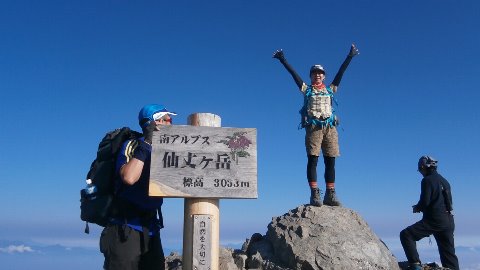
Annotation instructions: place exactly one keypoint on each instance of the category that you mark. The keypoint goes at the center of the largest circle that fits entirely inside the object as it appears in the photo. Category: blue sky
(71, 71)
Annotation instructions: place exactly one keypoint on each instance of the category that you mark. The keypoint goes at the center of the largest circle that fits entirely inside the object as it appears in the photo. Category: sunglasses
(165, 120)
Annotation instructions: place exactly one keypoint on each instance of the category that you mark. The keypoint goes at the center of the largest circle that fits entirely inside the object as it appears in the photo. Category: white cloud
(467, 240)
(82, 242)
(471, 242)
(474, 266)
(16, 249)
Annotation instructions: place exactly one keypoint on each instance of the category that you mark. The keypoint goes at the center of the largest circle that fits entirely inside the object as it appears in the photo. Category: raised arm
(336, 81)
(281, 57)
(131, 159)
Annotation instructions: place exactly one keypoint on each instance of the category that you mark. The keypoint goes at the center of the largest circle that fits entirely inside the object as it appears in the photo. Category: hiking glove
(353, 51)
(148, 131)
(279, 55)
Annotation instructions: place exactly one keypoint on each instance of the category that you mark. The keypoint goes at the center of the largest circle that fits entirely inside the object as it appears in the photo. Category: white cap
(159, 115)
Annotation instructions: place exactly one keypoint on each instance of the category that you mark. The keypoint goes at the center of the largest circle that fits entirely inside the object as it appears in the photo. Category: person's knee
(404, 235)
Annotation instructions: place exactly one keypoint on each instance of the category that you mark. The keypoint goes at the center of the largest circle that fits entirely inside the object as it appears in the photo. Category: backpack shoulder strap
(329, 90)
(309, 91)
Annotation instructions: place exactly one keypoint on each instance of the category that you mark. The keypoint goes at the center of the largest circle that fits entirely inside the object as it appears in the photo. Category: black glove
(279, 55)
(148, 131)
(353, 51)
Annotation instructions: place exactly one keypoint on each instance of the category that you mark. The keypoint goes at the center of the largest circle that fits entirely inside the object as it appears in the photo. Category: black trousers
(443, 236)
(127, 249)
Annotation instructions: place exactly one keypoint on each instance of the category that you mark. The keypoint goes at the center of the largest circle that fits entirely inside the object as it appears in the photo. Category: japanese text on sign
(201, 242)
(209, 162)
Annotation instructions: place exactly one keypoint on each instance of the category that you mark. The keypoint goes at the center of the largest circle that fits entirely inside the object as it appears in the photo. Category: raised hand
(279, 54)
(148, 131)
(353, 51)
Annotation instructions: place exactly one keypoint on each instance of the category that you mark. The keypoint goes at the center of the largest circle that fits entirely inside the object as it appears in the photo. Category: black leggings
(329, 169)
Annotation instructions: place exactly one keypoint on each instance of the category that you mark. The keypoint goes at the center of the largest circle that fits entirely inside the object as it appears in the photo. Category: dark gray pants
(444, 238)
(127, 249)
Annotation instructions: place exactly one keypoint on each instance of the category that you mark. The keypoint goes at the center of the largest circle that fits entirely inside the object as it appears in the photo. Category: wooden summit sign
(204, 162)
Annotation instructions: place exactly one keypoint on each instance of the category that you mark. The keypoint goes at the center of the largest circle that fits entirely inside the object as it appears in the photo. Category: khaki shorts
(325, 138)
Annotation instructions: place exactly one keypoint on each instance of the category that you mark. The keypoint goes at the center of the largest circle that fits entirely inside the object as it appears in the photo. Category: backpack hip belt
(329, 122)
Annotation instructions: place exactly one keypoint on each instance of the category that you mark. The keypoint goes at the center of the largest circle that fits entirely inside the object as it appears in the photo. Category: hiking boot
(331, 198)
(315, 197)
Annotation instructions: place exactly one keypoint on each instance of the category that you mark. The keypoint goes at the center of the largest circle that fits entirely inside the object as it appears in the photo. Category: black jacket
(435, 200)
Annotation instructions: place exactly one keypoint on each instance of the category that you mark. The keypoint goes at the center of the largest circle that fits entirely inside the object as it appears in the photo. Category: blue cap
(152, 112)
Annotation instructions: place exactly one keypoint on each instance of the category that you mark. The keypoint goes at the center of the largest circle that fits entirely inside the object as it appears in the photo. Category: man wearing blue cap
(436, 205)
(131, 241)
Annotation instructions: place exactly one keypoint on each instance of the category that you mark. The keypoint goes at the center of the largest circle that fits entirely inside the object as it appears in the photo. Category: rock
(240, 260)
(173, 261)
(426, 266)
(226, 261)
(255, 261)
(260, 248)
(309, 237)
(268, 265)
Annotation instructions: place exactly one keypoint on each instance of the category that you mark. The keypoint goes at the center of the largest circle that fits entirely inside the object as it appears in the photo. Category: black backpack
(102, 172)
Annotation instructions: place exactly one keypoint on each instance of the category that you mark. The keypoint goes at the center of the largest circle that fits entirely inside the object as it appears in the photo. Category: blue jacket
(137, 194)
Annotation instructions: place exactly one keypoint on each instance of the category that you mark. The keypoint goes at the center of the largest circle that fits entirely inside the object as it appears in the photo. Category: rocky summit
(307, 238)
(310, 237)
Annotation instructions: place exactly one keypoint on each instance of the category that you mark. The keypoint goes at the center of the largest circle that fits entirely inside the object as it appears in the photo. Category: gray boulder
(425, 266)
(225, 260)
(309, 237)
(173, 261)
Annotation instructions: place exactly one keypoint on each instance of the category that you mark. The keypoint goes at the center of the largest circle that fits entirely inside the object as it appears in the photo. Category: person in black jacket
(436, 205)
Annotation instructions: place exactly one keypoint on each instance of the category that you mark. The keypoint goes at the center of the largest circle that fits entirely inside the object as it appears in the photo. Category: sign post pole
(200, 207)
